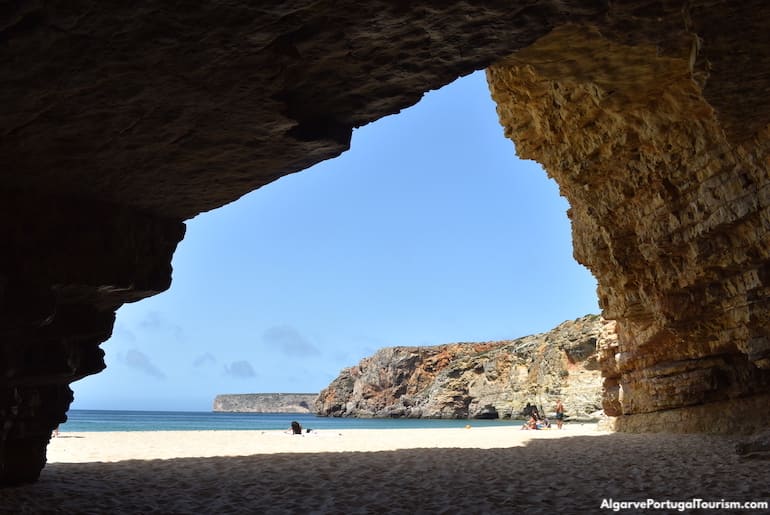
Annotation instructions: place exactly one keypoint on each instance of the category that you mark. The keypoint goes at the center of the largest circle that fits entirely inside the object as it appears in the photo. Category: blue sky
(429, 230)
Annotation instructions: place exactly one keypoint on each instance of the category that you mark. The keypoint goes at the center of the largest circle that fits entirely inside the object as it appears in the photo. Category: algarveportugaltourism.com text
(692, 504)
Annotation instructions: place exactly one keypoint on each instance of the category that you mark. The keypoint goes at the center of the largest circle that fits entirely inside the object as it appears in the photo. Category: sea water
(114, 420)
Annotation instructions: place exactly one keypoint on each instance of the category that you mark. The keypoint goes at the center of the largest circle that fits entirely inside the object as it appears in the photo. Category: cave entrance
(428, 231)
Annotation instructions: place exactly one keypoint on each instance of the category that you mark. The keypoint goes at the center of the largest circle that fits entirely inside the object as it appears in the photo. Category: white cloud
(289, 341)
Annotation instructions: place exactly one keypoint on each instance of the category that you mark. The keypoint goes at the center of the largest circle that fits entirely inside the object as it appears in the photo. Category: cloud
(289, 341)
(157, 322)
(139, 361)
(204, 359)
(240, 369)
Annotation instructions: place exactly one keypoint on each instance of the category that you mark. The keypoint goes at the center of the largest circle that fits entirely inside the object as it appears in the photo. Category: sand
(457, 471)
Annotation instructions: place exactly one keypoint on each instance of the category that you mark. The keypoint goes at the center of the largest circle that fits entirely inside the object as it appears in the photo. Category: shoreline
(110, 446)
(409, 471)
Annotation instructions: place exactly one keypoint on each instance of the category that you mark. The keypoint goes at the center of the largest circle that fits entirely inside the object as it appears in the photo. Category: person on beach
(531, 423)
(530, 410)
(559, 413)
(296, 428)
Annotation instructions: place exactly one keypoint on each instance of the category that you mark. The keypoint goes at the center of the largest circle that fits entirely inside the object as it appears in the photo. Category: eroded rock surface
(65, 267)
(670, 209)
(122, 120)
(467, 380)
(177, 110)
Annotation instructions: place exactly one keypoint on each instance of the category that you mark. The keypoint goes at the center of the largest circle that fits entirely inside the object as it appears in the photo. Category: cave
(122, 121)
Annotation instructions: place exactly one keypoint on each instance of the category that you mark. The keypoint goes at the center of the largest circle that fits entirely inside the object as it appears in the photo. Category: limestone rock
(472, 380)
(265, 403)
(123, 119)
(669, 206)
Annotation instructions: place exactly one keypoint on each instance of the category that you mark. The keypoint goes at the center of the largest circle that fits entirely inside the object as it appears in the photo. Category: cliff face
(467, 380)
(265, 402)
(122, 120)
(670, 210)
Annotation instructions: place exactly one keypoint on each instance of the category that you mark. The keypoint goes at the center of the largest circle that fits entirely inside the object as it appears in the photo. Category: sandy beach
(452, 471)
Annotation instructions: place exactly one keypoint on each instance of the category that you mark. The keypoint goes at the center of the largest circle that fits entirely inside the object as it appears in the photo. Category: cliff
(265, 402)
(469, 380)
(125, 119)
(667, 181)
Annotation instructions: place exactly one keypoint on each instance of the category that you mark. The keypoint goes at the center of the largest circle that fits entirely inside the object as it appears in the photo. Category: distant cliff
(265, 402)
(469, 380)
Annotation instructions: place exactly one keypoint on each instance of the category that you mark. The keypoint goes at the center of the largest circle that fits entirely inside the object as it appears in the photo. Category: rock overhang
(122, 121)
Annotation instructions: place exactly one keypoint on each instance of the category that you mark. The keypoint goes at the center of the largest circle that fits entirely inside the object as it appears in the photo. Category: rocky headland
(478, 380)
(264, 402)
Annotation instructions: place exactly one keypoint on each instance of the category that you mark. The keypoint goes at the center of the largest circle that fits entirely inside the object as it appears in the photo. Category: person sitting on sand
(531, 423)
(296, 428)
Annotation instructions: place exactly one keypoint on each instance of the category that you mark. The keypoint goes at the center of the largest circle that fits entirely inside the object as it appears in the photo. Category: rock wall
(265, 403)
(58, 305)
(122, 120)
(470, 380)
(670, 209)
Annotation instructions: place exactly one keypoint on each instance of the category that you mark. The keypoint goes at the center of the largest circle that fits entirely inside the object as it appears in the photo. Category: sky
(429, 230)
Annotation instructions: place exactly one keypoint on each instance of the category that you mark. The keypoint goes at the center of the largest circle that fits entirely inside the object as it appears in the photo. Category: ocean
(114, 420)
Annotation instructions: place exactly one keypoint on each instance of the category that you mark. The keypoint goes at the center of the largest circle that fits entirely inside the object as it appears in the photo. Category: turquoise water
(109, 420)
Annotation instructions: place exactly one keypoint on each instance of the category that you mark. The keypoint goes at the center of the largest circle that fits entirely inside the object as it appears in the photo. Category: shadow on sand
(567, 475)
